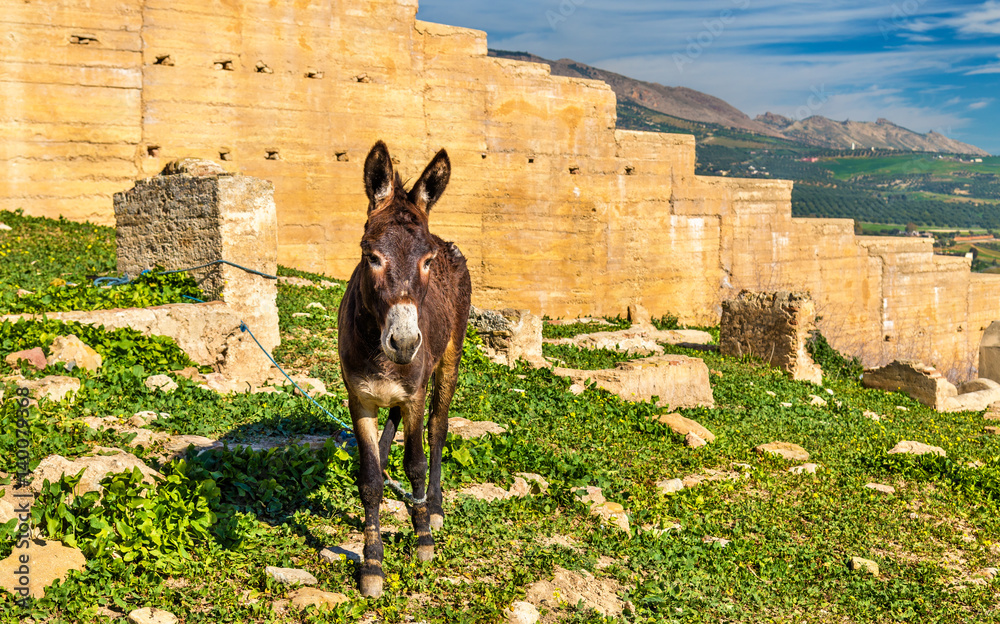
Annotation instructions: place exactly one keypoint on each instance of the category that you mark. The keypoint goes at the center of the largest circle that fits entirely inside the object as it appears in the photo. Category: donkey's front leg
(370, 486)
(415, 465)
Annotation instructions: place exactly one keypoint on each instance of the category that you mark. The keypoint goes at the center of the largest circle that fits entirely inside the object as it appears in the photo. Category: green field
(907, 164)
(745, 540)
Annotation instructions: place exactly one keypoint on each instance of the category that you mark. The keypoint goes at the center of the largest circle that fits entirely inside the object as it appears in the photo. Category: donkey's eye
(373, 260)
(427, 264)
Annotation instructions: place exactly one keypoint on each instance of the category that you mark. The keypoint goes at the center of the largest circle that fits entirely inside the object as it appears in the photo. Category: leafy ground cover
(196, 543)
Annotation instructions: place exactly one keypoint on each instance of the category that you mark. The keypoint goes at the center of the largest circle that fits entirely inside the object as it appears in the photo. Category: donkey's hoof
(371, 586)
(437, 522)
(425, 553)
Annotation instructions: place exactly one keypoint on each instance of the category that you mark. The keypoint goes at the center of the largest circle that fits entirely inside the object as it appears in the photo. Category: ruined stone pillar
(774, 327)
(195, 213)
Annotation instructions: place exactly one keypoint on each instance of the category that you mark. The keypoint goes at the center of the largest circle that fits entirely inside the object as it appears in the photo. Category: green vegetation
(573, 329)
(196, 542)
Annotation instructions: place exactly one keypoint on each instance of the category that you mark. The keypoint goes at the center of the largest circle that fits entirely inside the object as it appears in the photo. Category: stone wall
(558, 211)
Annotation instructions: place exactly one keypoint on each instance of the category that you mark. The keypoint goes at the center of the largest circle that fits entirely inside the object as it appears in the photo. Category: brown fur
(395, 246)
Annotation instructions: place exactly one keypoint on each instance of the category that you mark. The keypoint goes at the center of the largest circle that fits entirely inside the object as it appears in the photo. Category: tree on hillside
(911, 227)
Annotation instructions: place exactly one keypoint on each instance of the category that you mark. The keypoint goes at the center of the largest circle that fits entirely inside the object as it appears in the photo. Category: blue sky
(923, 64)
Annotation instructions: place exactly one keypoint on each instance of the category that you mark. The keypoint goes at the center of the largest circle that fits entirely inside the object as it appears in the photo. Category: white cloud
(982, 20)
(980, 104)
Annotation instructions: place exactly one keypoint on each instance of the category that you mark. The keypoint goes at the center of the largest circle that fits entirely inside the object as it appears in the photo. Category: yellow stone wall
(556, 210)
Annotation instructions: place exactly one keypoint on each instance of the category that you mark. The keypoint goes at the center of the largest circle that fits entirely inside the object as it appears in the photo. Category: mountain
(676, 101)
(883, 133)
(694, 105)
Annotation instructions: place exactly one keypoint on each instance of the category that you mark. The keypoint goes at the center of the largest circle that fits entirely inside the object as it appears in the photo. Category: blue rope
(113, 281)
(349, 439)
(232, 264)
(125, 279)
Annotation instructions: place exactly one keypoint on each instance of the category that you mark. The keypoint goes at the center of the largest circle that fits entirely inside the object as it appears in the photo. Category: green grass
(907, 164)
(196, 544)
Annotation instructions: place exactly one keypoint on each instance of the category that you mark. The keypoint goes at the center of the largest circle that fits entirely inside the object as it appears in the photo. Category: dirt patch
(567, 589)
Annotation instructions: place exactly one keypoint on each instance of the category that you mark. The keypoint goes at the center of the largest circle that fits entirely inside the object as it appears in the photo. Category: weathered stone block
(198, 214)
(208, 332)
(989, 352)
(920, 382)
(774, 327)
(678, 380)
(509, 335)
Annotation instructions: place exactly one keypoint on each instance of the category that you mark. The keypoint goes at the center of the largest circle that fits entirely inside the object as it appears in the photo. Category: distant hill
(694, 105)
(824, 132)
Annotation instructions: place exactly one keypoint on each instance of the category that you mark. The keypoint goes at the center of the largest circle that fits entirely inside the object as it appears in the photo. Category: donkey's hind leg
(445, 380)
(388, 434)
(415, 465)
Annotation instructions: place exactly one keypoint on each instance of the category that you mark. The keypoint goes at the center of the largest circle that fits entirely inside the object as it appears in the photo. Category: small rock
(804, 469)
(52, 387)
(878, 487)
(72, 353)
(708, 539)
(328, 284)
(316, 305)
(770, 393)
(397, 509)
(49, 561)
(178, 444)
(990, 573)
(151, 615)
(521, 612)
(310, 596)
(916, 448)
(469, 429)
(191, 372)
(785, 404)
(485, 492)
(594, 496)
(683, 426)
(787, 450)
(992, 430)
(872, 416)
(520, 488)
(95, 468)
(902, 408)
(612, 513)
(815, 400)
(691, 440)
(163, 383)
(294, 281)
(867, 565)
(4, 227)
(290, 576)
(538, 484)
(670, 486)
(344, 552)
(301, 315)
(577, 389)
(35, 357)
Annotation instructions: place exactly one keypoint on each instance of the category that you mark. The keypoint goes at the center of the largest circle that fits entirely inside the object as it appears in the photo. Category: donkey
(402, 321)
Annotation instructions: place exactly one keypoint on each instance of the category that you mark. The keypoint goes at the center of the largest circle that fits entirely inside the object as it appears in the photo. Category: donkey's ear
(432, 182)
(378, 175)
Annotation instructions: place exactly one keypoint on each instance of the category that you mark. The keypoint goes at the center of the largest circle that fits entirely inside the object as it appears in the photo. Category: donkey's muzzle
(401, 338)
